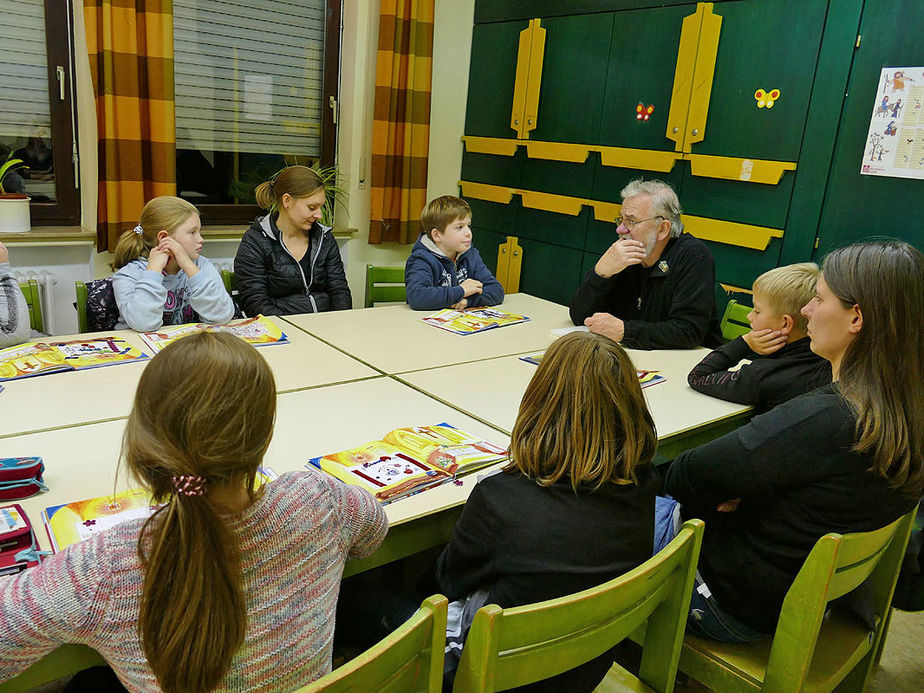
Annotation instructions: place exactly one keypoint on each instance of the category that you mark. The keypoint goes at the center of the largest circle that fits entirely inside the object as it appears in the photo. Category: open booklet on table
(39, 358)
(73, 522)
(258, 331)
(645, 378)
(409, 460)
(472, 320)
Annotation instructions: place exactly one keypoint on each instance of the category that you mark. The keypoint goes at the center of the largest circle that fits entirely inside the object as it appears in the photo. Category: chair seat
(744, 665)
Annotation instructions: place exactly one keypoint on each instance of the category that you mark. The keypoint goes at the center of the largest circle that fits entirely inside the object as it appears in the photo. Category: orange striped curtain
(401, 127)
(130, 43)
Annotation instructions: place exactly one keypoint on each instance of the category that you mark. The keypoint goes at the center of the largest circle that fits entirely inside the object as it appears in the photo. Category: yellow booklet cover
(258, 331)
(74, 522)
(39, 358)
(409, 460)
(472, 320)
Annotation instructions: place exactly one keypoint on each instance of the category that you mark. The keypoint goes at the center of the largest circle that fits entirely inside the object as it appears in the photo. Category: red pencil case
(18, 547)
(21, 477)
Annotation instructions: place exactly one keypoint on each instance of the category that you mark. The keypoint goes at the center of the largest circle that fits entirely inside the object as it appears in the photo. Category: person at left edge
(288, 261)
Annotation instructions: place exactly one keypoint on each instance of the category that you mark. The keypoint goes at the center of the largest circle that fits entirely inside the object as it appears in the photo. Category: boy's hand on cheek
(765, 342)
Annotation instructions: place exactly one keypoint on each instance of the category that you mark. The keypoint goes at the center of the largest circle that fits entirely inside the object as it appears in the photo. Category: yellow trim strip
(534, 79)
(490, 145)
(563, 204)
(716, 230)
(733, 168)
(558, 151)
(484, 191)
(520, 81)
(703, 74)
(647, 159)
(730, 232)
(683, 79)
(509, 263)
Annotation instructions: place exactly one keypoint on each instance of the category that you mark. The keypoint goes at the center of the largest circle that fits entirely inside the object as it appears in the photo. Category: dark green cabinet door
(550, 271)
(764, 44)
(858, 206)
(574, 67)
(492, 76)
(642, 59)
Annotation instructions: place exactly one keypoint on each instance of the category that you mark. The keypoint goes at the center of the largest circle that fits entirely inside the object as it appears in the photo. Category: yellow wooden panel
(489, 145)
(534, 80)
(484, 191)
(703, 75)
(606, 211)
(647, 159)
(683, 80)
(520, 81)
(733, 168)
(548, 202)
(509, 263)
(559, 151)
(729, 232)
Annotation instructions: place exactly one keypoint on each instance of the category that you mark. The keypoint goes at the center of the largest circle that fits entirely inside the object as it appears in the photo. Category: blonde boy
(444, 270)
(782, 365)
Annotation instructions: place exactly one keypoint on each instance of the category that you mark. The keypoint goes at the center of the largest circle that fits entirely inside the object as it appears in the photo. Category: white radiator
(46, 281)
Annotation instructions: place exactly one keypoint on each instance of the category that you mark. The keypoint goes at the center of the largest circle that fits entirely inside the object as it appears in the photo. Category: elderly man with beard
(654, 287)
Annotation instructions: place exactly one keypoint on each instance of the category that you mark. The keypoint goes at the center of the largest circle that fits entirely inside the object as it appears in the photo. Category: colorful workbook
(645, 378)
(408, 460)
(472, 320)
(71, 523)
(258, 331)
(39, 358)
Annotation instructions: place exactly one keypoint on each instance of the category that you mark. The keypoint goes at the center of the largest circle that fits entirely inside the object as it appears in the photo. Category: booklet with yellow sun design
(39, 358)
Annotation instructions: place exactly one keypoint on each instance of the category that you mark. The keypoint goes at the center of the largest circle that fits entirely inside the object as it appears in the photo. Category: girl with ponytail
(224, 587)
(288, 261)
(162, 279)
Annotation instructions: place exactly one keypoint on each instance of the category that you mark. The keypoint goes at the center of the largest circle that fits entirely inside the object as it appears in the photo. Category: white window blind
(24, 110)
(249, 75)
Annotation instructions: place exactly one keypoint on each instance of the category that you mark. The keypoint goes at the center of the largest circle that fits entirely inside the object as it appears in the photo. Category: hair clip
(138, 229)
(189, 485)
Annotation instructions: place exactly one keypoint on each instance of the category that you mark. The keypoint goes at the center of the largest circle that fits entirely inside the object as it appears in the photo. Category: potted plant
(14, 206)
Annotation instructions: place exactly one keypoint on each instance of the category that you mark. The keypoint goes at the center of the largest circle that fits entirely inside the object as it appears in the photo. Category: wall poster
(895, 140)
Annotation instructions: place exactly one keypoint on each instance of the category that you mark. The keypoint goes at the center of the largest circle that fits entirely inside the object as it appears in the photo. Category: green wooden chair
(735, 320)
(67, 660)
(382, 285)
(410, 660)
(230, 281)
(811, 652)
(513, 647)
(30, 289)
(81, 306)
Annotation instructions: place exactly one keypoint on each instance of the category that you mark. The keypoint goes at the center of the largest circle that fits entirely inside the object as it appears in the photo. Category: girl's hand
(4, 253)
(186, 264)
(158, 259)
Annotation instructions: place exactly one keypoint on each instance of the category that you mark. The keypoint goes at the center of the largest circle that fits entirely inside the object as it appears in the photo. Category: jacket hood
(267, 226)
(427, 242)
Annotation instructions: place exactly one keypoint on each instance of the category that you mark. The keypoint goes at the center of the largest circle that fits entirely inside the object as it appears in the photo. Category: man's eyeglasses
(631, 224)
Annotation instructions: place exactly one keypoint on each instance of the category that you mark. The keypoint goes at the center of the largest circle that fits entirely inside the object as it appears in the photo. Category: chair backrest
(513, 647)
(735, 320)
(410, 660)
(230, 281)
(30, 289)
(96, 306)
(836, 565)
(384, 284)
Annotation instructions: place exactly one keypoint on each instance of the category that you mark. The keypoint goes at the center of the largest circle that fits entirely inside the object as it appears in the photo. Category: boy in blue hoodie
(444, 270)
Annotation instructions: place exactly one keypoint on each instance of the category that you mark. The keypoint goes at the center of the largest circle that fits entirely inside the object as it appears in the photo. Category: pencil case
(18, 547)
(21, 477)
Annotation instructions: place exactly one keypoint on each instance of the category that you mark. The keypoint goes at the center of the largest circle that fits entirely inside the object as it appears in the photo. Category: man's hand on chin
(606, 325)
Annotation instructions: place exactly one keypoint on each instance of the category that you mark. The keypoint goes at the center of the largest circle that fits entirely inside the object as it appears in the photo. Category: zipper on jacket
(300, 270)
(314, 260)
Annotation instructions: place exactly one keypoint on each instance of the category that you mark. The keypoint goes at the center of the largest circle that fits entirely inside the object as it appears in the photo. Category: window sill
(51, 235)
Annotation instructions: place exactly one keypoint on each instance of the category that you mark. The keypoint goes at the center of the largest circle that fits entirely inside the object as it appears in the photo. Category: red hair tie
(189, 485)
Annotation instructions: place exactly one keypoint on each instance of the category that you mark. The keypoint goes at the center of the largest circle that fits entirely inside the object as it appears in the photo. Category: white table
(393, 339)
(491, 390)
(74, 398)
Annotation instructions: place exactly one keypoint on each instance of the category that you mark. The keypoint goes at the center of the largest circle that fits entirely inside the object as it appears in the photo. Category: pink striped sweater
(294, 542)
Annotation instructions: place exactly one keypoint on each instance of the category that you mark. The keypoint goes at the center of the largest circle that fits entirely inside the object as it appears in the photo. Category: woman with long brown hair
(288, 261)
(575, 505)
(847, 457)
(224, 587)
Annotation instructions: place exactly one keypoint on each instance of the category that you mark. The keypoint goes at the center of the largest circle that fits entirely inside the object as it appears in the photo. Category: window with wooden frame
(256, 89)
(37, 118)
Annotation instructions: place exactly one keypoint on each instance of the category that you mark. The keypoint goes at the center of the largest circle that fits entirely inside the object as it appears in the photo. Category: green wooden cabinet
(493, 71)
